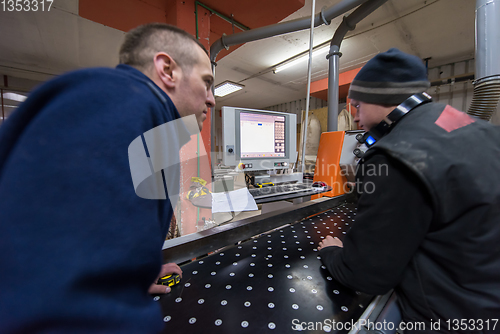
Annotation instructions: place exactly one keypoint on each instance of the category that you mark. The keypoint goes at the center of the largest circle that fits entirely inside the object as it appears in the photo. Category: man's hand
(329, 241)
(166, 269)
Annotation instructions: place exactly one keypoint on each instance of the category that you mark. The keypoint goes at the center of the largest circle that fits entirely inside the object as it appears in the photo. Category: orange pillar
(184, 17)
(189, 214)
(203, 36)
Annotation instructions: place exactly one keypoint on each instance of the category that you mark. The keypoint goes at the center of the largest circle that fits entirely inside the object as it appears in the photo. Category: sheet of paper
(235, 201)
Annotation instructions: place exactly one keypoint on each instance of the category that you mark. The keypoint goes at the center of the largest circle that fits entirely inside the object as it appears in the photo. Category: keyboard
(282, 189)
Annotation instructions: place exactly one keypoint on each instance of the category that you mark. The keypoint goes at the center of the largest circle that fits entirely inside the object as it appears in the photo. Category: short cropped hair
(142, 43)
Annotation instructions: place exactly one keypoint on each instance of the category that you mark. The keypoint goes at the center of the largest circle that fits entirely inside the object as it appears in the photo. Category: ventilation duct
(487, 86)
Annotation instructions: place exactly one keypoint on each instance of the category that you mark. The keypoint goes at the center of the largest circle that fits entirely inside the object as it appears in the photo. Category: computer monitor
(255, 140)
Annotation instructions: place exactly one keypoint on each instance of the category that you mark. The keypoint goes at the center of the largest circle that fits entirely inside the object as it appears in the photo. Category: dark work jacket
(78, 248)
(454, 272)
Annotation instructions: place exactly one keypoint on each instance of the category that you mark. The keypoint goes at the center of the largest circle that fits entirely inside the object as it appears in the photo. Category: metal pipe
(222, 16)
(487, 38)
(333, 88)
(487, 86)
(485, 99)
(326, 15)
(349, 23)
(309, 69)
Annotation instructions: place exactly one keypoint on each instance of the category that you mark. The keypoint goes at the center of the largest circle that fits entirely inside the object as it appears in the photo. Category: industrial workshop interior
(277, 169)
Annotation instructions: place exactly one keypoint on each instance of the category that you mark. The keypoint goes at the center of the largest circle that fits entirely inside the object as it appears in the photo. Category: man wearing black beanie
(430, 228)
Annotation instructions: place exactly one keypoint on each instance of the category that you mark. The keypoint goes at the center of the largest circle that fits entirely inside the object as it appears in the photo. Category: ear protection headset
(381, 129)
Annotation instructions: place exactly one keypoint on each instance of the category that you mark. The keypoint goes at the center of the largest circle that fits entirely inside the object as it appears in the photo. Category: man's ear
(167, 69)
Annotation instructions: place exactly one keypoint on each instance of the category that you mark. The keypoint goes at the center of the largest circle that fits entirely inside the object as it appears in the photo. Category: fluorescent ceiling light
(14, 97)
(226, 88)
(301, 59)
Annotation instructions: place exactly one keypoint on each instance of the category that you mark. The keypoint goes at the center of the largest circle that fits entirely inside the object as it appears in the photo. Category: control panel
(352, 151)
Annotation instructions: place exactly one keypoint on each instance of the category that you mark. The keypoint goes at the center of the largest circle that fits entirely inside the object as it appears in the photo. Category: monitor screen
(258, 139)
(262, 135)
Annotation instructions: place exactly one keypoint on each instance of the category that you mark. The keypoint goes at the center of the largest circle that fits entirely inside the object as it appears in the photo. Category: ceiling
(40, 45)
(440, 29)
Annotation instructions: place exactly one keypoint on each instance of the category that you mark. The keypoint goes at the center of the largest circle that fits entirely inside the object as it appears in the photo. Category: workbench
(263, 274)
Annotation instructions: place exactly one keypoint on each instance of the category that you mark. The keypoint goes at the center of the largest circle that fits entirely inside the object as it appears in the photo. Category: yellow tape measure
(169, 280)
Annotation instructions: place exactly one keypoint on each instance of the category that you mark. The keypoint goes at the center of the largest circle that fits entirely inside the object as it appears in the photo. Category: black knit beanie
(389, 78)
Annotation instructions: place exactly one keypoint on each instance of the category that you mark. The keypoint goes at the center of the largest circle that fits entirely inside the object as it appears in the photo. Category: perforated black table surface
(263, 284)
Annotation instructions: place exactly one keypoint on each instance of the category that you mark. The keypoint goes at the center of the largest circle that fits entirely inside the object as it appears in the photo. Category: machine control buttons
(243, 166)
(358, 153)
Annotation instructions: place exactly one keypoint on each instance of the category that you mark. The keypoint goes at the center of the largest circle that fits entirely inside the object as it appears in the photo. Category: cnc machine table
(263, 284)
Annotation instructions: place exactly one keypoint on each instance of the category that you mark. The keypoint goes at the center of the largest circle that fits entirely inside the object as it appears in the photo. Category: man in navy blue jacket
(79, 249)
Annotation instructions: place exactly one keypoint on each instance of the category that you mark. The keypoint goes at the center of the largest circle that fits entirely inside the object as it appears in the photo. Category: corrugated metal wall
(457, 94)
